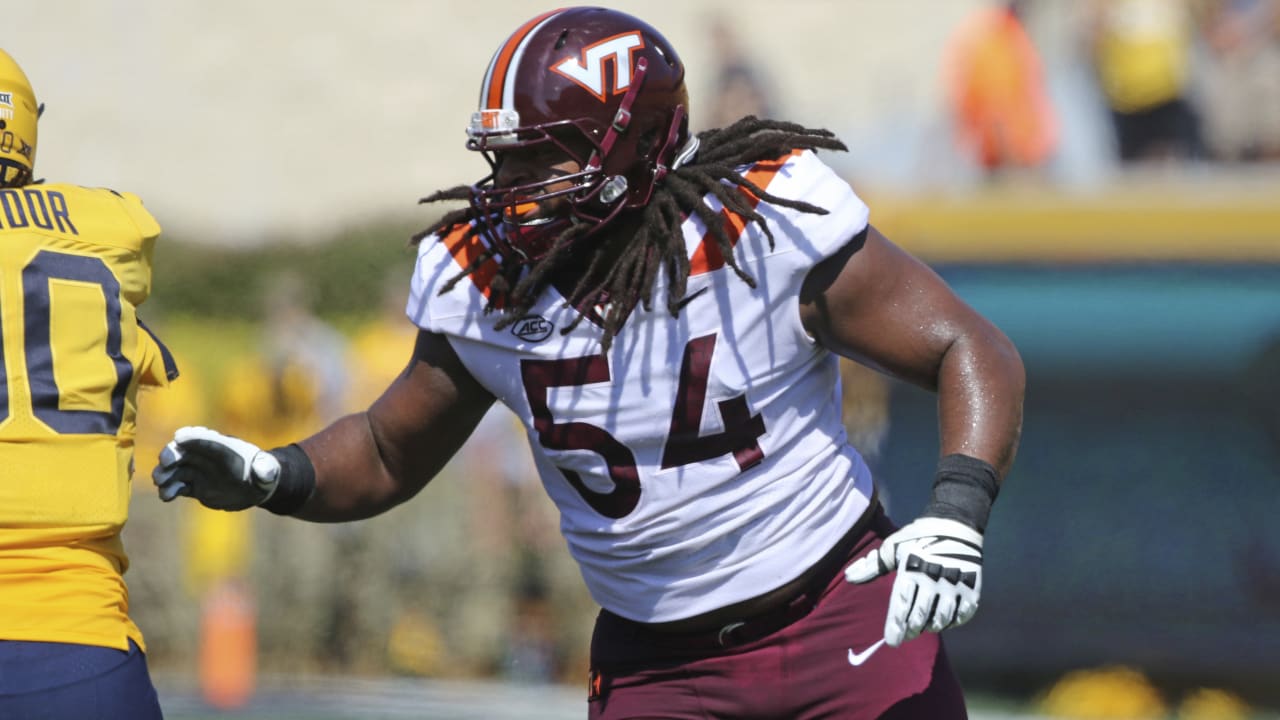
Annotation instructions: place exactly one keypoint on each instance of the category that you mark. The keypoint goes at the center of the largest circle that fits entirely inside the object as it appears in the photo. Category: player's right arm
(360, 466)
(369, 462)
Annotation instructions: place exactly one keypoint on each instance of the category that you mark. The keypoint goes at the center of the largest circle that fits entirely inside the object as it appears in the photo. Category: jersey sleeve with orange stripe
(440, 259)
(75, 263)
(801, 240)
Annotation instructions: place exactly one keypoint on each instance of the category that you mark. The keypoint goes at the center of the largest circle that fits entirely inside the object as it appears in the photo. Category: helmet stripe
(494, 91)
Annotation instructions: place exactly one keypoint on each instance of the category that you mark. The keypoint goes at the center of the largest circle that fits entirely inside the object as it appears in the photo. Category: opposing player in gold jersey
(74, 265)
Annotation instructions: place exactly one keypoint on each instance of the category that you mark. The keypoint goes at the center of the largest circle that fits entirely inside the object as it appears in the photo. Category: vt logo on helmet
(18, 115)
(589, 71)
(597, 86)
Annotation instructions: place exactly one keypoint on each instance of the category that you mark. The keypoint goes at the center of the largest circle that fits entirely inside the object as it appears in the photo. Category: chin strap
(622, 118)
(685, 154)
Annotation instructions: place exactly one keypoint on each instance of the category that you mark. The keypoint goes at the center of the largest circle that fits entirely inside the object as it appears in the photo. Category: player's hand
(939, 564)
(222, 472)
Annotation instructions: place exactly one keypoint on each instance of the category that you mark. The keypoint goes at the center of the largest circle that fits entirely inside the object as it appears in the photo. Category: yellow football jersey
(74, 265)
(1143, 52)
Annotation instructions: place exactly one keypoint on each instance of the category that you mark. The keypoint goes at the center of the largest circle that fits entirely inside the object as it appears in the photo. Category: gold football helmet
(18, 115)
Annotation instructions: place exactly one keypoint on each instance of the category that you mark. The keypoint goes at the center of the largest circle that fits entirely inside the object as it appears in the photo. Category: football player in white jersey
(665, 313)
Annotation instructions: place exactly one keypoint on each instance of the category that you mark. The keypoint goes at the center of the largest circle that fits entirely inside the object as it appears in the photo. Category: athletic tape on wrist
(964, 490)
(297, 481)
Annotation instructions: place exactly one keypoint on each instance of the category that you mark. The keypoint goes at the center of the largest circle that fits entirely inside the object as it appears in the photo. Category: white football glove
(939, 564)
(222, 472)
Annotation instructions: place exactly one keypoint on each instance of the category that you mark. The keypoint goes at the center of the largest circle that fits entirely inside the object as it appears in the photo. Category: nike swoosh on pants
(856, 659)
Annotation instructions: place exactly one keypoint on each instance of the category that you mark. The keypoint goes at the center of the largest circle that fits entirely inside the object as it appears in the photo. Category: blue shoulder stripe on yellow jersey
(170, 365)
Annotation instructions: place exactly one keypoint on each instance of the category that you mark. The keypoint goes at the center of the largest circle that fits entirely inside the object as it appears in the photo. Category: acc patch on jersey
(532, 328)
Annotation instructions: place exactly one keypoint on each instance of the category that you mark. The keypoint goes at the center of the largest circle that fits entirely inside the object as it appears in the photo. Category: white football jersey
(702, 460)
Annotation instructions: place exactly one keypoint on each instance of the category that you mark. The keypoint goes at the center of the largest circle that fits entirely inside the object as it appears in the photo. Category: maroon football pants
(810, 660)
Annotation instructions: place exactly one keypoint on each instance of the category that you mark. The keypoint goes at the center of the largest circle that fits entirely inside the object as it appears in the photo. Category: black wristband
(963, 490)
(297, 481)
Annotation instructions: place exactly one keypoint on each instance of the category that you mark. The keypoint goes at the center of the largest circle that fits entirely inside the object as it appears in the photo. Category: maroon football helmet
(603, 87)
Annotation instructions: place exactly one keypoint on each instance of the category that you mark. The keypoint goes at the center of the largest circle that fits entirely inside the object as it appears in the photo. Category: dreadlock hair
(623, 266)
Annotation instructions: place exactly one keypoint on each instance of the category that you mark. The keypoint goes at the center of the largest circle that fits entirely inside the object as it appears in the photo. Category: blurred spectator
(296, 381)
(214, 553)
(525, 601)
(1242, 79)
(997, 93)
(738, 89)
(415, 645)
(1108, 693)
(482, 608)
(214, 544)
(864, 407)
(1213, 704)
(380, 349)
(1141, 51)
(501, 604)
(1125, 693)
(532, 654)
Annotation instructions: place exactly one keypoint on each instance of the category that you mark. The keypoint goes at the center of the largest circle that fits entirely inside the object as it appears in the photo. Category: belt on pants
(763, 615)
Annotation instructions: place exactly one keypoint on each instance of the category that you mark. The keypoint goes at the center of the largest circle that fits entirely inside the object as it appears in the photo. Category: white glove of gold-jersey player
(939, 564)
(222, 472)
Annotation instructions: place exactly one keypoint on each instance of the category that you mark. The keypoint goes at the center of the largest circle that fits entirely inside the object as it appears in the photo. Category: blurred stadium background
(1134, 559)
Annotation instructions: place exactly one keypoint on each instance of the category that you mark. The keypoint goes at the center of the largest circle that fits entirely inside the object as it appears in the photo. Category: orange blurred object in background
(228, 646)
(999, 101)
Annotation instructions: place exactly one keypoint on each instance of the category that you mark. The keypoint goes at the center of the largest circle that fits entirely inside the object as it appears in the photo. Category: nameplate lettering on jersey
(35, 208)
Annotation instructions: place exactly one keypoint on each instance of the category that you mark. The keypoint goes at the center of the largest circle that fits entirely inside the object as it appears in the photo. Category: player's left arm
(876, 304)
